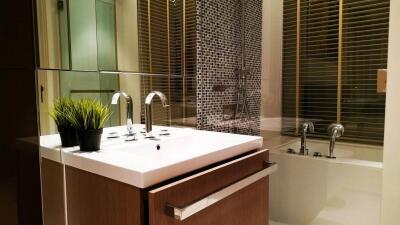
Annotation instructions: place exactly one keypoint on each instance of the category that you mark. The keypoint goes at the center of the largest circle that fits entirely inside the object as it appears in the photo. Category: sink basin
(188, 145)
(144, 163)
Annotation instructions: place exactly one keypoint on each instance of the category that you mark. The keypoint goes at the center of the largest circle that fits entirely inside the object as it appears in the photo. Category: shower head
(242, 73)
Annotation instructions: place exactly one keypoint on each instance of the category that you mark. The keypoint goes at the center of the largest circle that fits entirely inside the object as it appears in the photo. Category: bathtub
(318, 191)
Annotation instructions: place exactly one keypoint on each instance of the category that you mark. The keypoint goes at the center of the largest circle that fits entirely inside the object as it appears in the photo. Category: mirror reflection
(53, 84)
(104, 46)
(156, 37)
(53, 34)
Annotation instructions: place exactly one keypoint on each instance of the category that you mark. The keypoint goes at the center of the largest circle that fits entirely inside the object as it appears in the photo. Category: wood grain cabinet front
(234, 193)
(52, 178)
(97, 200)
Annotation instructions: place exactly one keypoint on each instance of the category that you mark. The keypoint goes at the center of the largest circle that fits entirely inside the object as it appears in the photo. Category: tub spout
(335, 131)
(307, 127)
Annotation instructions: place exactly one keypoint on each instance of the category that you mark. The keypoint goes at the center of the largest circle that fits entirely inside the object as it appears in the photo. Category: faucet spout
(148, 108)
(129, 109)
(335, 131)
(307, 127)
(332, 143)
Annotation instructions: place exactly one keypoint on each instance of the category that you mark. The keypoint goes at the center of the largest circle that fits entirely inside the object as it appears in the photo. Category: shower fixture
(242, 111)
(242, 74)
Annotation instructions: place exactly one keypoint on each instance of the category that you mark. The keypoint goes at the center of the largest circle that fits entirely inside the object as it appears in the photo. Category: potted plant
(60, 111)
(89, 117)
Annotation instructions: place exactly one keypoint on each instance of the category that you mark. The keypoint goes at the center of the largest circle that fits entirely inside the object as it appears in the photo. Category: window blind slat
(167, 45)
(364, 50)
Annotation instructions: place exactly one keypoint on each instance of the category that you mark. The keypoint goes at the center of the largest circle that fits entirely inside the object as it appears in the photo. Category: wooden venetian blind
(167, 45)
(365, 49)
(332, 50)
(190, 84)
(154, 54)
(289, 70)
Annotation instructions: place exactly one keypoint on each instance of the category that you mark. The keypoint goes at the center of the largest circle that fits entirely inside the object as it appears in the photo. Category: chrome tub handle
(189, 210)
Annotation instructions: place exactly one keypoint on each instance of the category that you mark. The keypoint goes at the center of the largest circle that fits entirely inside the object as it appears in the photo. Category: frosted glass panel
(53, 34)
(105, 14)
(83, 34)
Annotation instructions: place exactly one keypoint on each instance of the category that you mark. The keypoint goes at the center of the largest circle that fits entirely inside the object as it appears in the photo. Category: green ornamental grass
(89, 114)
(61, 110)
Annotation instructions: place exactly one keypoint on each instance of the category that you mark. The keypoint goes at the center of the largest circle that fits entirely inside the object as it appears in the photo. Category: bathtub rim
(348, 161)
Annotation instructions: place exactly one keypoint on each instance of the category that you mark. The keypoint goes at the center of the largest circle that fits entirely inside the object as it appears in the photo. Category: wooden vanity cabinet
(96, 200)
(52, 179)
(246, 206)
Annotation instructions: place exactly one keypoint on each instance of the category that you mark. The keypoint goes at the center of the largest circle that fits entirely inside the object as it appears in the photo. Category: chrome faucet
(335, 130)
(148, 108)
(129, 109)
(308, 126)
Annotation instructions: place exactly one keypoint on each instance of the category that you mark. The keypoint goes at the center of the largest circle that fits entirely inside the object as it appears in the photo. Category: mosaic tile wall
(219, 53)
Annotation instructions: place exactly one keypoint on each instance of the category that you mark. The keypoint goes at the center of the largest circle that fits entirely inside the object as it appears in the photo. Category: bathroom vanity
(181, 176)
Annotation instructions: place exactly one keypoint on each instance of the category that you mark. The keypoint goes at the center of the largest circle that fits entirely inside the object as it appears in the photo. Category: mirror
(53, 84)
(157, 37)
(70, 38)
(92, 48)
(53, 34)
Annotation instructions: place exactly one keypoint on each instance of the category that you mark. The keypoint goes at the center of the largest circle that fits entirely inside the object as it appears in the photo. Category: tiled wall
(219, 53)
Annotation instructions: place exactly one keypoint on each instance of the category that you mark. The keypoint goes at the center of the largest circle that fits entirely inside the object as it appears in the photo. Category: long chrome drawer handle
(188, 211)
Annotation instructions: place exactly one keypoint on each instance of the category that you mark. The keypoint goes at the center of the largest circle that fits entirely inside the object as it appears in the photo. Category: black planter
(69, 136)
(89, 140)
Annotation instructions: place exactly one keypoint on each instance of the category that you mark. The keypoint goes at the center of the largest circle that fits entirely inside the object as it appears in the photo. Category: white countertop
(140, 164)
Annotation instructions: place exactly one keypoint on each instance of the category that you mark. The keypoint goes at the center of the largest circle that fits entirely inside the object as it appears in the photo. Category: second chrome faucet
(307, 127)
(148, 108)
(335, 131)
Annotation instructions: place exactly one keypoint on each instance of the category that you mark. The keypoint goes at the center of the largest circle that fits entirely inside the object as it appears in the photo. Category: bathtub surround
(219, 53)
(320, 191)
(391, 171)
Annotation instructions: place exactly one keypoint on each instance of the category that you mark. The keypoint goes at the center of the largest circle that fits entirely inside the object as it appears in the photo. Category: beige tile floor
(348, 208)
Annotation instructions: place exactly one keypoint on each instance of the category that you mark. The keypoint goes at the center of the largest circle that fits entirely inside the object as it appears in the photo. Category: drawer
(234, 193)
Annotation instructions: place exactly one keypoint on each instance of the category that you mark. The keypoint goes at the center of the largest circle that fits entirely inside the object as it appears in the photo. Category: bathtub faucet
(308, 126)
(335, 130)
